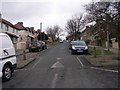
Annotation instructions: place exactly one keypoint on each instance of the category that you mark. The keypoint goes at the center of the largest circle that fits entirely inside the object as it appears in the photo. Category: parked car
(43, 45)
(78, 47)
(7, 57)
(61, 41)
(35, 46)
(70, 46)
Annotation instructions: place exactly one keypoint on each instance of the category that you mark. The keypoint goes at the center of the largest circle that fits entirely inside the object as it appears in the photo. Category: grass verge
(99, 51)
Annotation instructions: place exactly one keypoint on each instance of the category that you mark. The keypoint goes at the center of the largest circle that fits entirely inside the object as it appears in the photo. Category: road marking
(20, 70)
(54, 81)
(80, 61)
(58, 58)
(57, 65)
(35, 64)
(104, 69)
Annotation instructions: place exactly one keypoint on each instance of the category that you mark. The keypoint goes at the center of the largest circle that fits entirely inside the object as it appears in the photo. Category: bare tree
(108, 13)
(57, 31)
(54, 32)
(50, 33)
(74, 25)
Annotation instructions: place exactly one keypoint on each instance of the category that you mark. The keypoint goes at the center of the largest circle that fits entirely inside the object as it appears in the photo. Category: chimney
(38, 30)
(21, 23)
(32, 28)
(0, 15)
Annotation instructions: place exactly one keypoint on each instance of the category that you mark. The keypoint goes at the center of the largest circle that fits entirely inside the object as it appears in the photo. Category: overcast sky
(49, 12)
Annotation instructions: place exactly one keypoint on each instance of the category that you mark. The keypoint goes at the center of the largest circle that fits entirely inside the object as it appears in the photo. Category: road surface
(57, 68)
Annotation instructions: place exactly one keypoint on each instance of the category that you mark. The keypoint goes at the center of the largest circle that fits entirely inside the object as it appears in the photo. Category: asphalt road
(57, 68)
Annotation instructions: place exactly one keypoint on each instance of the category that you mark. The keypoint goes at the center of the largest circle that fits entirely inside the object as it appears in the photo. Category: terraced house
(10, 29)
(26, 35)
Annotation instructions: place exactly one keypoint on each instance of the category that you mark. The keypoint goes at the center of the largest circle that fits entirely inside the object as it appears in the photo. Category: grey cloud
(50, 12)
(25, 10)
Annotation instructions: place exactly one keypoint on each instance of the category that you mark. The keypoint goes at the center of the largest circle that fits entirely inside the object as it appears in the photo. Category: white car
(7, 57)
(61, 41)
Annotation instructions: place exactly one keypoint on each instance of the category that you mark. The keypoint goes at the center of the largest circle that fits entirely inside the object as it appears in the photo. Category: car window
(5, 44)
(78, 43)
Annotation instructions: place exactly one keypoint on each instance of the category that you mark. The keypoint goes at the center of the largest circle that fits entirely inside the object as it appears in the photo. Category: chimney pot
(20, 23)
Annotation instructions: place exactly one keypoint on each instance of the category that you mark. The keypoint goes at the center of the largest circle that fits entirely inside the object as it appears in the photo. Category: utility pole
(107, 38)
(41, 26)
(41, 30)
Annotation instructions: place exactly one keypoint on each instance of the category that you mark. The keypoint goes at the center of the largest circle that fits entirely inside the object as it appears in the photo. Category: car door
(7, 52)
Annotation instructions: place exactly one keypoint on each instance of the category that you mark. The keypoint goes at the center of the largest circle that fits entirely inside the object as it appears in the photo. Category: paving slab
(21, 63)
(108, 61)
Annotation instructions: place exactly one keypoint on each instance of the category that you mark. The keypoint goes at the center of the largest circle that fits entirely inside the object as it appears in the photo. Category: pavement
(105, 61)
(30, 57)
(56, 67)
(21, 62)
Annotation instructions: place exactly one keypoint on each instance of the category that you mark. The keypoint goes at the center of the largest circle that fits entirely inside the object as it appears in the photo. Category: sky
(47, 12)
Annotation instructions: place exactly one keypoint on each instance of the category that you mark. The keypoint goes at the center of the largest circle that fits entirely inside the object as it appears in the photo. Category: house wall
(22, 39)
(25, 38)
(0, 25)
(8, 29)
(114, 43)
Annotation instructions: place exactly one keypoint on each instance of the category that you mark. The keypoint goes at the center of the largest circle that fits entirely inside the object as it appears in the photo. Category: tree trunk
(119, 47)
(118, 30)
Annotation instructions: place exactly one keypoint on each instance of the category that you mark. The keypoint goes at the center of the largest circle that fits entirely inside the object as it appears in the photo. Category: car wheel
(38, 50)
(72, 52)
(7, 73)
(29, 50)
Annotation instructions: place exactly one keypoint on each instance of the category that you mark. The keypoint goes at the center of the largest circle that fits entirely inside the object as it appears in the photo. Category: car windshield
(78, 43)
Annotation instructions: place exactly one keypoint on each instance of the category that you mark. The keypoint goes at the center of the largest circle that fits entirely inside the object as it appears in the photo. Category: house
(99, 34)
(26, 35)
(10, 29)
(30, 35)
(87, 32)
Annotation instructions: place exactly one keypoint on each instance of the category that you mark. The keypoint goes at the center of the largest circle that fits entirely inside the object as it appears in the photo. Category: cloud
(49, 12)
(15, 10)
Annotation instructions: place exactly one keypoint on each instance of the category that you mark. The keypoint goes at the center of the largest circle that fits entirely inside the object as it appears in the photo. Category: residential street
(56, 67)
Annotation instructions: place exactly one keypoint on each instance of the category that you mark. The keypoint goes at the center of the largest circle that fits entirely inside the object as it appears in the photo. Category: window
(1, 26)
(5, 42)
(6, 27)
(14, 40)
(13, 30)
(17, 32)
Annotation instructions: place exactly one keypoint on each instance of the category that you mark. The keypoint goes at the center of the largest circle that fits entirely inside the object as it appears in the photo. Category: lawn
(100, 51)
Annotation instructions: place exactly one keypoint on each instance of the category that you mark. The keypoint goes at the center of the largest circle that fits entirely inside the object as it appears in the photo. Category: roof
(20, 26)
(7, 22)
(88, 25)
(91, 23)
(12, 34)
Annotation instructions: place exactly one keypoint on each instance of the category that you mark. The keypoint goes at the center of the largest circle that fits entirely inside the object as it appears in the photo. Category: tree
(54, 32)
(108, 13)
(57, 31)
(50, 33)
(42, 36)
(74, 25)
